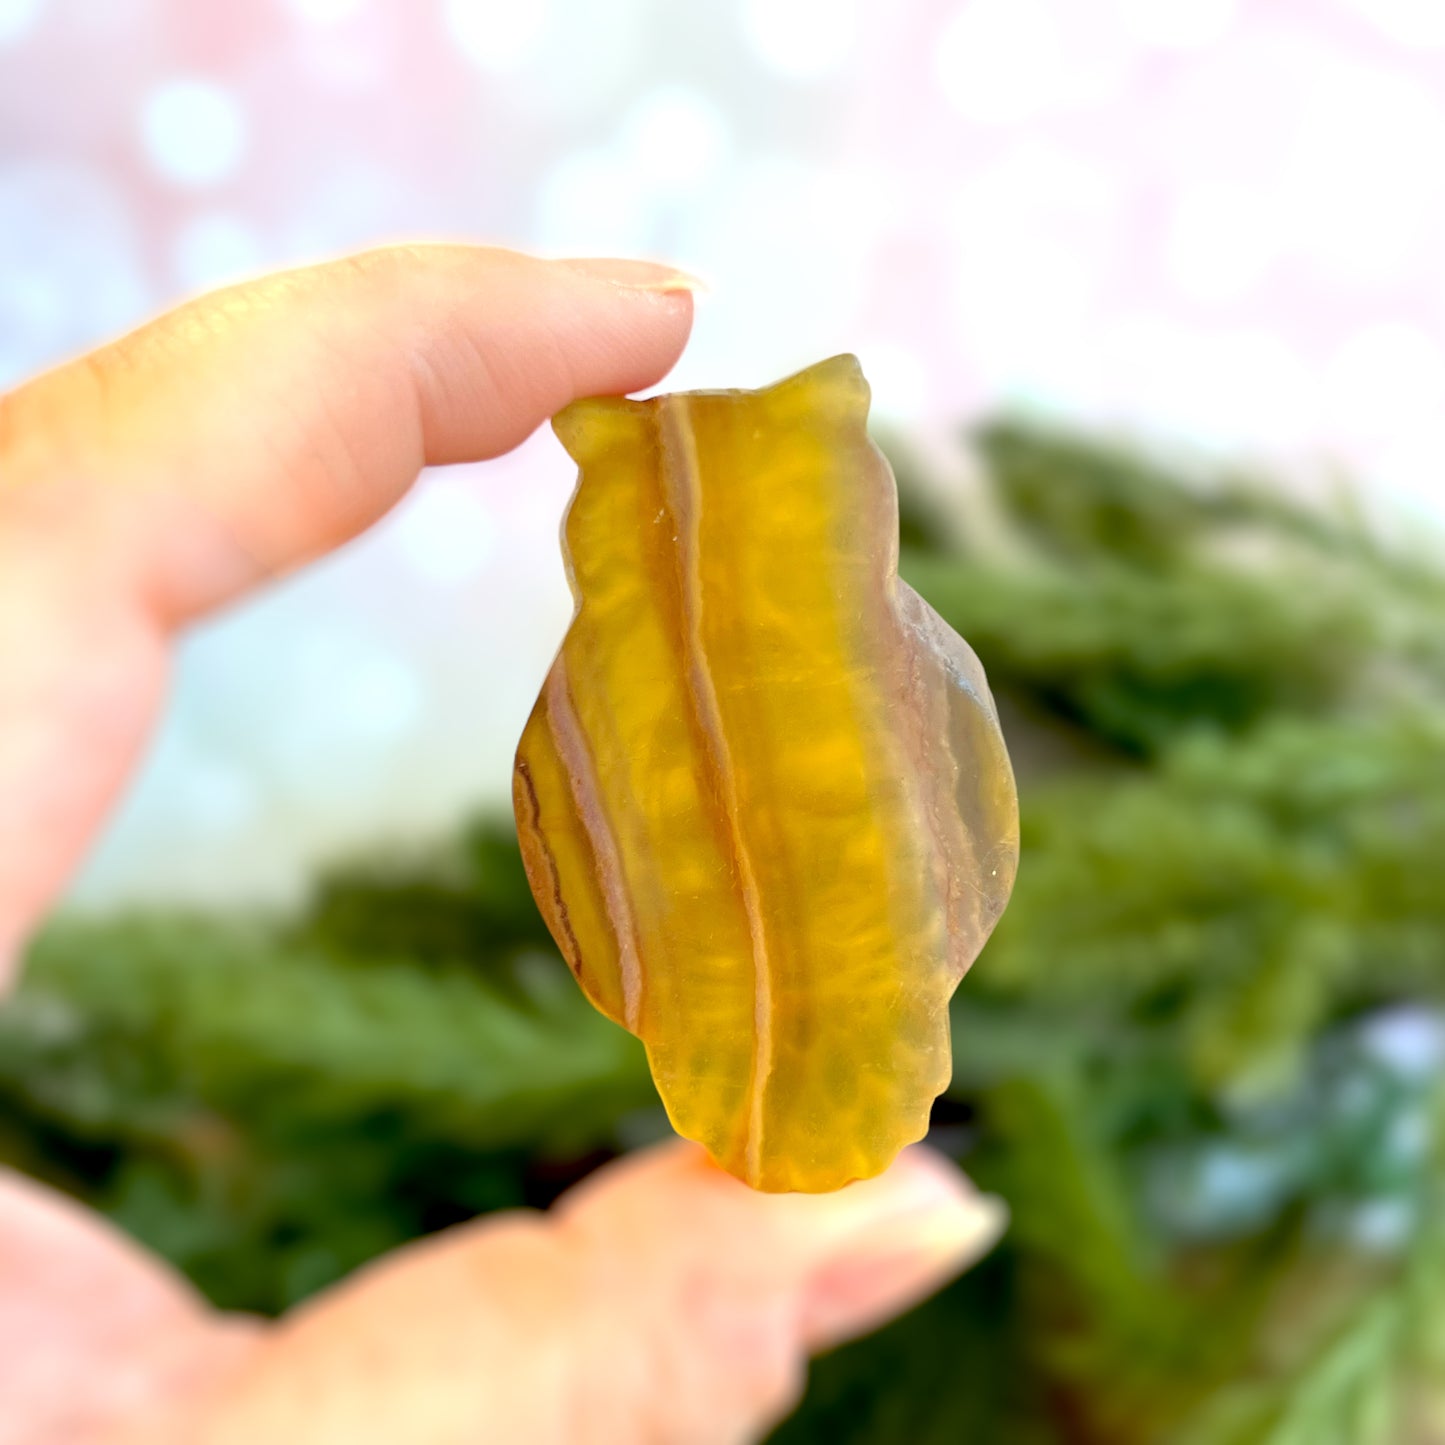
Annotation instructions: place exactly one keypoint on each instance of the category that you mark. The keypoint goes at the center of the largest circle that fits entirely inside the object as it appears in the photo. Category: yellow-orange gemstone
(763, 798)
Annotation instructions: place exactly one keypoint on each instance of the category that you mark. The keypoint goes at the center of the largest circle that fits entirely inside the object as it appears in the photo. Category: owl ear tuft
(835, 386)
(597, 424)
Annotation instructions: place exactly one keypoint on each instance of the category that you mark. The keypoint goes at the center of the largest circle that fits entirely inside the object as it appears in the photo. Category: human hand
(142, 487)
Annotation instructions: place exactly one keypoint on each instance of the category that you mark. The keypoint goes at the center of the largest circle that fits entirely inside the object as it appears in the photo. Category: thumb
(661, 1302)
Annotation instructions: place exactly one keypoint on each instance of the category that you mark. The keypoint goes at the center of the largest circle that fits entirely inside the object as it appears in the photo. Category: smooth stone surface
(763, 799)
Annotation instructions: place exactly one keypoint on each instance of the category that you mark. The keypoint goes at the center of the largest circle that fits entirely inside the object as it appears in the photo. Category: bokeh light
(1001, 61)
(194, 131)
(17, 17)
(496, 35)
(801, 39)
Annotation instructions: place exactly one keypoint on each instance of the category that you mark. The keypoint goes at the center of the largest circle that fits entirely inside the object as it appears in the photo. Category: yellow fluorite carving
(763, 798)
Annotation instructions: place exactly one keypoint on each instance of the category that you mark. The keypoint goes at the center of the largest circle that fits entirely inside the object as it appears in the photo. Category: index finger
(266, 424)
(235, 439)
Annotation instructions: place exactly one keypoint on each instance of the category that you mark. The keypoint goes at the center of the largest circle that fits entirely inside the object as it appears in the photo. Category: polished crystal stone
(763, 798)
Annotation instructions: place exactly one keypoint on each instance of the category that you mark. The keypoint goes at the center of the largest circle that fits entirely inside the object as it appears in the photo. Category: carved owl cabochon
(763, 799)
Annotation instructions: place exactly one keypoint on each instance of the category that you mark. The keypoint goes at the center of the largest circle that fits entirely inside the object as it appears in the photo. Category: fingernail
(636, 275)
(896, 1262)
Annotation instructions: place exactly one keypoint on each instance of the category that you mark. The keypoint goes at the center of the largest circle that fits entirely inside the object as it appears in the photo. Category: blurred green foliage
(1200, 1059)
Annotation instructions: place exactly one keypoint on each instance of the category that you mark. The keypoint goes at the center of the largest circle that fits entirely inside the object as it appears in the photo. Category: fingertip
(927, 1176)
(766, 1278)
(927, 1227)
(541, 334)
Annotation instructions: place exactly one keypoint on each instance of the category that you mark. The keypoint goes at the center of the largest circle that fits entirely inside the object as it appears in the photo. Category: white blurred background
(1218, 221)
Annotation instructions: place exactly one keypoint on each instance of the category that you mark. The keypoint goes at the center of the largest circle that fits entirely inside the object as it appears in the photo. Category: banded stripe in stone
(576, 757)
(681, 479)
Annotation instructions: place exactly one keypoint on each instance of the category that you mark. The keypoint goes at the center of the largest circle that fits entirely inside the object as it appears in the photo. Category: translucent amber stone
(763, 798)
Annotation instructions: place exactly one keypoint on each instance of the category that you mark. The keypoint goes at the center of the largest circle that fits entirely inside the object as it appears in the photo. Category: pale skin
(165, 476)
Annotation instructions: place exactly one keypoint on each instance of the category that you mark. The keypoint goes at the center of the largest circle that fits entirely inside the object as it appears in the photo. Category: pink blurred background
(1217, 221)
